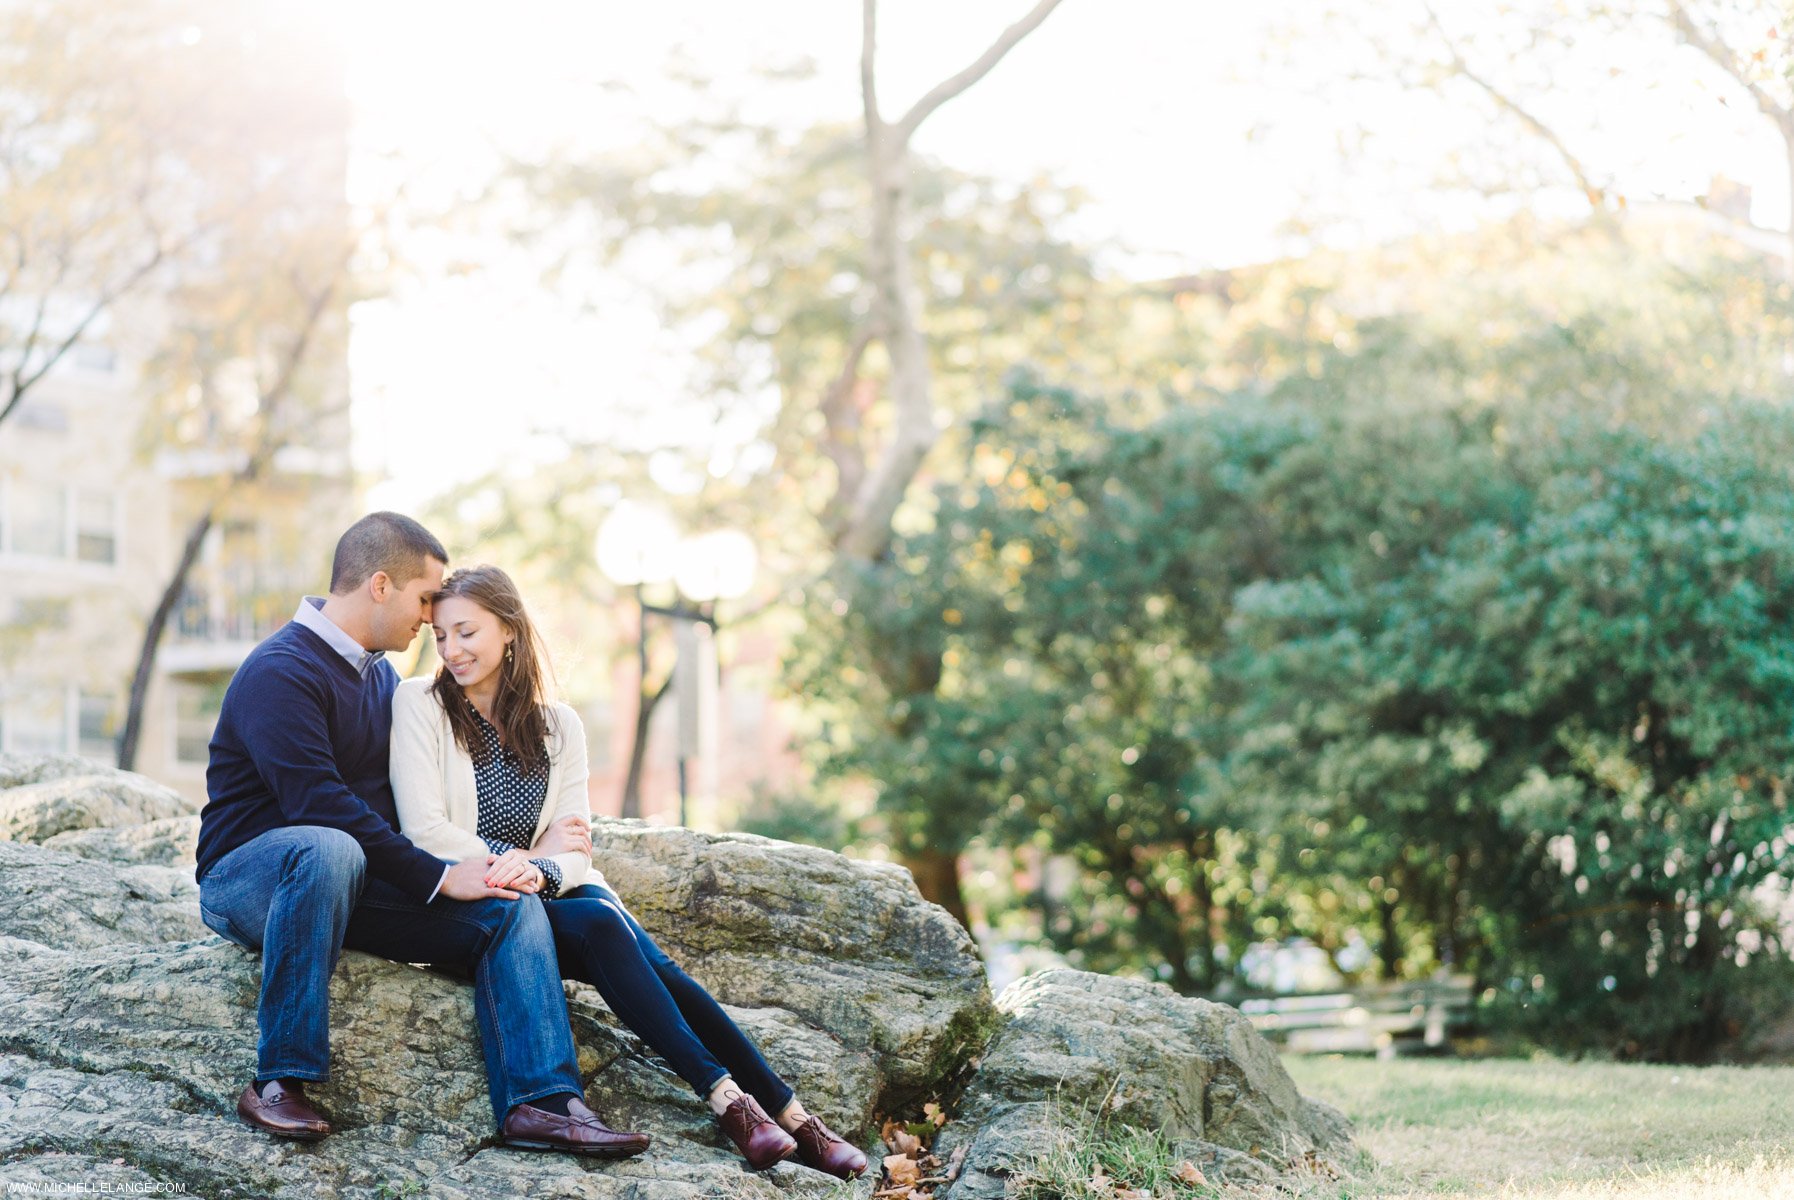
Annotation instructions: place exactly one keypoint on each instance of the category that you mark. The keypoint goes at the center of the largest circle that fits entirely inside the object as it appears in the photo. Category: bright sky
(1162, 110)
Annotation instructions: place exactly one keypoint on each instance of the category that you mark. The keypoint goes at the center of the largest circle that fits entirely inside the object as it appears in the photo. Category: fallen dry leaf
(1188, 1172)
(902, 1169)
(1319, 1165)
(935, 1114)
(956, 1162)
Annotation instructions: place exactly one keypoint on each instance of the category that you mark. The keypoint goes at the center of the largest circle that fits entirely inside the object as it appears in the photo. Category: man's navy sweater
(303, 740)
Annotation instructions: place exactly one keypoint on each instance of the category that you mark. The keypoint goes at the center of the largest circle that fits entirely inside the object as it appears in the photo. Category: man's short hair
(382, 541)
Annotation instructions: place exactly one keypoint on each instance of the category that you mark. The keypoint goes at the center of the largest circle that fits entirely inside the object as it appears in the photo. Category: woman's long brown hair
(520, 711)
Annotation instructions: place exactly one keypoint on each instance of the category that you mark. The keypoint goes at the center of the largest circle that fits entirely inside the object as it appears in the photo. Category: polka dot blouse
(511, 800)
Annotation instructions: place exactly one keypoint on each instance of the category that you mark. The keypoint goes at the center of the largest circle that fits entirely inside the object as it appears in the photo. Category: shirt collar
(311, 615)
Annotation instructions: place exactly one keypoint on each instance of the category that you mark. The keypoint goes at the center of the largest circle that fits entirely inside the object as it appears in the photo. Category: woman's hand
(513, 869)
(569, 835)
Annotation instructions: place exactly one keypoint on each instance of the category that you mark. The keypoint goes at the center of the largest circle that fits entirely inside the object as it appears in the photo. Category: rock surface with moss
(130, 1027)
(1076, 1052)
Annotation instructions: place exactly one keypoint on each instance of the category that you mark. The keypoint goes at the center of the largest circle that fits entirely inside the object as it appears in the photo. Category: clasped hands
(512, 874)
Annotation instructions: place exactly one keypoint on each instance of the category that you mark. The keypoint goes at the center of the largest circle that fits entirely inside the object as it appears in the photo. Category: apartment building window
(96, 727)
(45, 520)
(94, 356)
(37, 518)
(41, 414)
(36, 720)
(96, 526)
(197, 704)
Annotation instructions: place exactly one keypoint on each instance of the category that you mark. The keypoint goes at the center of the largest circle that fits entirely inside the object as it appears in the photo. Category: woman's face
(469, 639)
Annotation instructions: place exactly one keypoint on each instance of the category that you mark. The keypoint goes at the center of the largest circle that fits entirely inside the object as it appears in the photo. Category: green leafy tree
(875, 285)
(1423, 640)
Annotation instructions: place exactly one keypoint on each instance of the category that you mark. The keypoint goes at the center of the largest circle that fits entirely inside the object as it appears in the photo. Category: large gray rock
(1078, 1049)
(72, 903)
(42, 796)
(169, 842)
(896, 981)
(405, 1058)
(137, 1052)
(20, 770)
(129, 1028)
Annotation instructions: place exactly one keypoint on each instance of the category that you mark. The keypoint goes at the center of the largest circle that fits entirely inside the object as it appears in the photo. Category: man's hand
(513, 869)
(569, 835)
(466, 880)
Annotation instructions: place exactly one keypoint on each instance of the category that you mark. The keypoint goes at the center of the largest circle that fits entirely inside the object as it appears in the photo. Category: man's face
(404, 610)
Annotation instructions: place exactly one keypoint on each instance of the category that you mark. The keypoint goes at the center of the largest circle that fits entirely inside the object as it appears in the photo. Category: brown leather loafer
(822, 1149)
(755, 1134)
(579, 1132)
(283, 1112)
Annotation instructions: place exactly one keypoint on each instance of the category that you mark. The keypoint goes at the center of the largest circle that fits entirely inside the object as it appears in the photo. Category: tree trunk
(895, 308)
(1389, 948)
(272, 403)
(1202, 853)
(152, 639)
(1450, 949)
(937, 877)
(638, 747)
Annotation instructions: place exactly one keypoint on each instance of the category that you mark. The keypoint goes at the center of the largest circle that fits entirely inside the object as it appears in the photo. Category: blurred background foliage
(1420, 597)
(1458, 632)
(1424, 603)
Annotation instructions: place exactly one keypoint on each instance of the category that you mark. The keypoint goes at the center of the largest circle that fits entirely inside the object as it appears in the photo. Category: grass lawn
(1546, 1130)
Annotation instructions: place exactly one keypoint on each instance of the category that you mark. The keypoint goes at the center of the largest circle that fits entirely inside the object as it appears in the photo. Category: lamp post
(639, 546)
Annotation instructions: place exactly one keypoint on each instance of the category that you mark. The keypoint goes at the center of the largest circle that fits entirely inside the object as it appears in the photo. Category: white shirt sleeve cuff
(439, 883)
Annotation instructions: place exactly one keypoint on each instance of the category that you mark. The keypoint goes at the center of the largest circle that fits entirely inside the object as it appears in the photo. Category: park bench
(1390, 1019)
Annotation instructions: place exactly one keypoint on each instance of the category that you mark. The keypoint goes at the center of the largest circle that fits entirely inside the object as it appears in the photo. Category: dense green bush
(1478, 649)
(1552, 707)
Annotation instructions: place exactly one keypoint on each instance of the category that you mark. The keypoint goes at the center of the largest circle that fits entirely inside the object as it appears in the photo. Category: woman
(484, 765)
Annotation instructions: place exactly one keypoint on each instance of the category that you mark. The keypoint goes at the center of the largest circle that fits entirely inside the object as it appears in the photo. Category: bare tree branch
(1709, 44)
(866, 534)
(22, 382)
(949, 88)
(868, 55)
(1595, 192)
(45, 294)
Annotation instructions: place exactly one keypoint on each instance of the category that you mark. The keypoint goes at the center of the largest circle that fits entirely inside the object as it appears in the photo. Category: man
(300, 856)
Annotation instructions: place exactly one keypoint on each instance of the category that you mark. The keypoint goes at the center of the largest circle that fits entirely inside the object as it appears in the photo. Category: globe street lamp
(639, 545)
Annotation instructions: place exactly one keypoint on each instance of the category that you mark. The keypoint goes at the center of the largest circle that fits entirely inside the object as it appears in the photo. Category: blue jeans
(600, 943)
(300, 895)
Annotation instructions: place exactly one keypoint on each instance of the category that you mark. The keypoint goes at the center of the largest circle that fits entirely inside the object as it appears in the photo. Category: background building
(215, 386)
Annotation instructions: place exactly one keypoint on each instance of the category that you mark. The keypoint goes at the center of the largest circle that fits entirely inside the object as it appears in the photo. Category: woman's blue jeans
(299, 895)
(600, 943)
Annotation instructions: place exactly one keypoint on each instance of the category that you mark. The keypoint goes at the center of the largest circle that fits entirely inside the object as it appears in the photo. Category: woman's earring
(510, 651)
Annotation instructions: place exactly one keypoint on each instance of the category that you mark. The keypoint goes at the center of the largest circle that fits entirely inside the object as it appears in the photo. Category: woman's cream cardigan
(432, 781)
